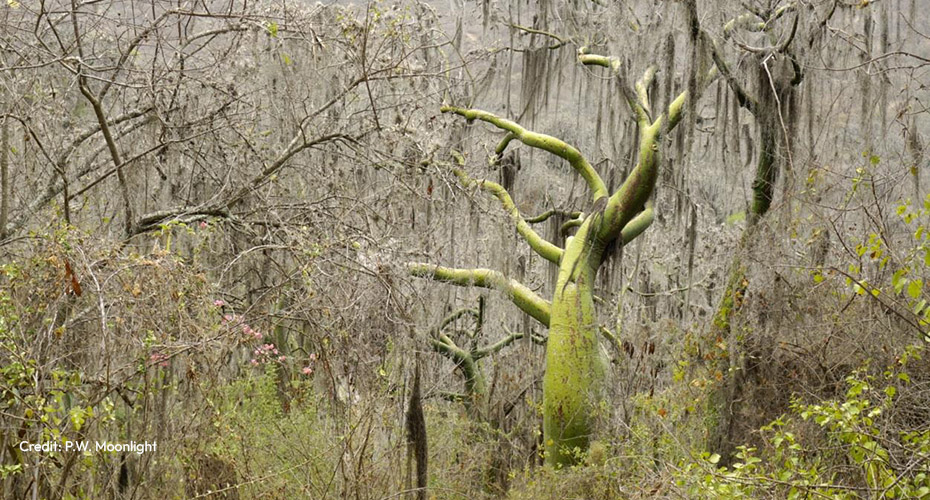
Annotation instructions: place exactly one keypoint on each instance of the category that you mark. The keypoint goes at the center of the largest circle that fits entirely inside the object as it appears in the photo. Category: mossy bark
(720, 409)
(725, 343)
(573, 382)
(772, 110)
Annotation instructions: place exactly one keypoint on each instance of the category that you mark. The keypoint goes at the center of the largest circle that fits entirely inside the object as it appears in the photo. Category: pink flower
(257, 335)
(219, 303)
(313, 356)
(254, 362)
(307, 370)
(203, 224)
(282, 358)
(159, 359)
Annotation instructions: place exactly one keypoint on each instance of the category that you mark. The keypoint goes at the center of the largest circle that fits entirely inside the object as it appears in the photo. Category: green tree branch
(545, 142)
(545, 249)
(522, 297)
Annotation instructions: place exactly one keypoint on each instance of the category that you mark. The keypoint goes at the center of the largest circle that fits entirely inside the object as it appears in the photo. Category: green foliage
(885, 465)
(910, 264)
(58, 306)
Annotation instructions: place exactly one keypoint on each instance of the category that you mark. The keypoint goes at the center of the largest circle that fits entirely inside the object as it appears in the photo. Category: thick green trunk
(572, 385)
(574, 375)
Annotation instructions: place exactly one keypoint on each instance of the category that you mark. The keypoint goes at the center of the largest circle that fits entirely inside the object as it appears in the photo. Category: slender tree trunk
(5, 190)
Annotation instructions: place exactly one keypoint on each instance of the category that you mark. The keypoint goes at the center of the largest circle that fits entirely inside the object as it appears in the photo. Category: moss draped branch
(499, 150)
(545, 249)
(779, 47)
(545, 142)
(639, 100)
(628, 212)
(742, 97)
(445, 346)
(522, 297)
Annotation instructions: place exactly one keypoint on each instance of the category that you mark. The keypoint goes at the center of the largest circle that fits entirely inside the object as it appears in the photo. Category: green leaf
(714, 458)
(913, 288)
(898, 281)
(920, 306)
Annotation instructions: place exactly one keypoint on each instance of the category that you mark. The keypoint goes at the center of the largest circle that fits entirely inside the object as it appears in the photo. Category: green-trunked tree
(574, 369)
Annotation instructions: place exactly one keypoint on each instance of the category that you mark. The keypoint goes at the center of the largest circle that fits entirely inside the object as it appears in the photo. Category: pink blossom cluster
(159, 359)
(267, 353)
(250, 333)
(308, 370)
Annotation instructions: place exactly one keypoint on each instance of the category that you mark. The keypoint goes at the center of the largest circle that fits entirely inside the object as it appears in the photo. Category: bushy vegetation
(216, 219)
(258, 423)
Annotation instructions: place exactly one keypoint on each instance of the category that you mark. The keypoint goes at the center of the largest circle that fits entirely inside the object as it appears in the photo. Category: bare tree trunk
(5, 190)
(883, 87)
(416, 436)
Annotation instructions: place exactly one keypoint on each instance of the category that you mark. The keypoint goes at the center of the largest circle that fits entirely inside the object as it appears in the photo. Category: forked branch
(545, 142)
